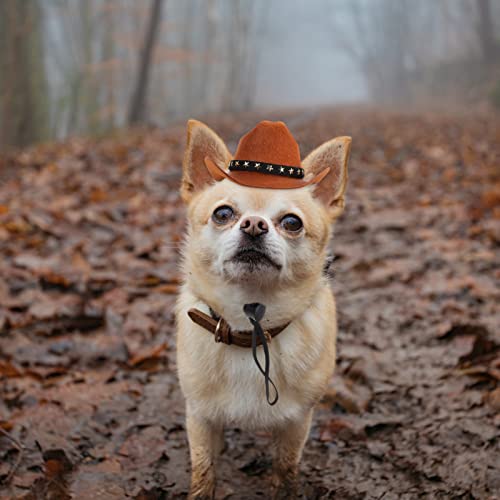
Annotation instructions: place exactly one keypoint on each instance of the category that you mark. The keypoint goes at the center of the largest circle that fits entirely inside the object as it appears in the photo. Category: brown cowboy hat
(267, 157)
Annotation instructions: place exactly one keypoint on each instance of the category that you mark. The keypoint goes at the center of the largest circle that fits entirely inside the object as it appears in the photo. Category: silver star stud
(257, 165)
(236, 163)
(270, 168)
(245, 164)
(291, 171)
(282, 169)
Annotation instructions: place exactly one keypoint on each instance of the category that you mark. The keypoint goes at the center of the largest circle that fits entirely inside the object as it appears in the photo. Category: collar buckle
(268, 336)
(217, 333)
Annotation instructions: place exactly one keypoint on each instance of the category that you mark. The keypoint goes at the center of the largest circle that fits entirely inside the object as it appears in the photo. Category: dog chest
(222, 383)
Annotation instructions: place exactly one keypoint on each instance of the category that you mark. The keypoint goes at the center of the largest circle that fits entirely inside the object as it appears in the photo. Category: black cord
(255, 312)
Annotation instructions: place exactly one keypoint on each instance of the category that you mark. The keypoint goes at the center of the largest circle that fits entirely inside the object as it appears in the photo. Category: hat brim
(261, 180)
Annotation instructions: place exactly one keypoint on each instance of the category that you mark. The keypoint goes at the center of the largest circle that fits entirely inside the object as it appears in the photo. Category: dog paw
(285, 488)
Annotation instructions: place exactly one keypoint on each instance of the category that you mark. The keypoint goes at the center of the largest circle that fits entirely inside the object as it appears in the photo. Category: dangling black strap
(255, 312)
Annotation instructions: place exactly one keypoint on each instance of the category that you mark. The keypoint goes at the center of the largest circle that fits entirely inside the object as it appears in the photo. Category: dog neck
(283, 304)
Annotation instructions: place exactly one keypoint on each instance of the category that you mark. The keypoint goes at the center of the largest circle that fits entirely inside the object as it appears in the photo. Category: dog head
(259, 237)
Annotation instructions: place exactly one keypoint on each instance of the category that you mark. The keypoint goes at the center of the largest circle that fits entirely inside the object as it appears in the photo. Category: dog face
(259, 236)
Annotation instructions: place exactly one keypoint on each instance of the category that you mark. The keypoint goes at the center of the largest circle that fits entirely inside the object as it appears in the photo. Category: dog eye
(223, 215)
(291, 223)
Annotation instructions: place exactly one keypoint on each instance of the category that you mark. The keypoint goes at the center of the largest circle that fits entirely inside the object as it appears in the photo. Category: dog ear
(330, 189)
(202, 142)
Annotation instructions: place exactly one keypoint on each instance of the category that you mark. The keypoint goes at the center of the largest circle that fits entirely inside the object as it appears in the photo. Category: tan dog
(266, 245)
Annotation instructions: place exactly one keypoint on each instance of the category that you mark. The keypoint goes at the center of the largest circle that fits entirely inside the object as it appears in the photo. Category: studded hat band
(266, 168)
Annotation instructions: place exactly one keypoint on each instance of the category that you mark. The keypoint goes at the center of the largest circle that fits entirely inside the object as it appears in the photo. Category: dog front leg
(288, 444)
(204, 442)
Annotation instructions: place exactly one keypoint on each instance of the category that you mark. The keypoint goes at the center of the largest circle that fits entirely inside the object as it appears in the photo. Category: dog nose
(254, 226)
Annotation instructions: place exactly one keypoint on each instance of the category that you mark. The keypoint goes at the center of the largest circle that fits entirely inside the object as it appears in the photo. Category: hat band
(266, 168)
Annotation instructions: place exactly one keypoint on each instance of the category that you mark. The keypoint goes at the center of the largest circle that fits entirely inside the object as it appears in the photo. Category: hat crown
(269, 142)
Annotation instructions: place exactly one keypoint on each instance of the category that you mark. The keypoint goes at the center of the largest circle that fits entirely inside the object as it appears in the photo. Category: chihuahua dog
(262, 242)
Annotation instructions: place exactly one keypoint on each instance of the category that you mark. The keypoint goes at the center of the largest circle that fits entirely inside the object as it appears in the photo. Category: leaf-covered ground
(90, 233)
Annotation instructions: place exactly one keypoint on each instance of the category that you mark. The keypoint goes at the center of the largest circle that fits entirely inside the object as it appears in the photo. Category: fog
(300, 64)
(91, 67)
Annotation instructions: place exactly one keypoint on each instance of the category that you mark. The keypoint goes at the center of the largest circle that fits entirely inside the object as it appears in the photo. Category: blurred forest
(86, 67)
(94, 95)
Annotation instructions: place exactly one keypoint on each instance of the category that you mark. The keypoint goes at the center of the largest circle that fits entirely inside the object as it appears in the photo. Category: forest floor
(90, 406)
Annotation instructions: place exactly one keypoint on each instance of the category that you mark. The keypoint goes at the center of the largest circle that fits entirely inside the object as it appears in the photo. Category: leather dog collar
(223, 332)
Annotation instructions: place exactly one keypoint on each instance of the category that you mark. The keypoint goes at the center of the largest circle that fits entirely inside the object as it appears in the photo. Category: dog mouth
(254, 258)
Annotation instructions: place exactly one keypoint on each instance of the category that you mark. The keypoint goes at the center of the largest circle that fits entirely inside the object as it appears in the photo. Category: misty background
(72, 67)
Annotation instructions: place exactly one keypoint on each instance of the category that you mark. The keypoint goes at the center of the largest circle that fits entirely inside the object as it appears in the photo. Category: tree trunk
(137, 110)
(485, 30)
(188, 24)
(23, 86)
(208, 61)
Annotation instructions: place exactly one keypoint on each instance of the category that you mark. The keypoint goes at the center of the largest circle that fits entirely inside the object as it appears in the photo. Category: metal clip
(217, 334)
(268, 336)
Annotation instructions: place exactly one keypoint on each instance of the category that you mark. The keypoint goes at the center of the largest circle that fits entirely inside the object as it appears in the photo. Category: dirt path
(90, 232)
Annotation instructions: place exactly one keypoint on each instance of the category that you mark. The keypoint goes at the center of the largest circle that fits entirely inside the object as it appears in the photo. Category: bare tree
(188, 28)
(255, 51)
(239, 56)
(137, 110)
(487, 40)
(381, 45)
(23, 86)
